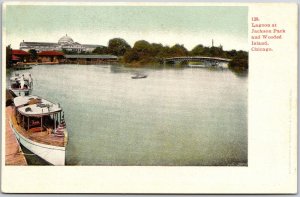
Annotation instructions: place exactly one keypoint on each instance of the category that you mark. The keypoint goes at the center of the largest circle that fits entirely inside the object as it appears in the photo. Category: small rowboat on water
(139, 76)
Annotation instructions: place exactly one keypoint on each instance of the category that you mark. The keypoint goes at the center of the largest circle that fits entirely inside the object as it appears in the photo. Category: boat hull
(53, 154)
(139, 77)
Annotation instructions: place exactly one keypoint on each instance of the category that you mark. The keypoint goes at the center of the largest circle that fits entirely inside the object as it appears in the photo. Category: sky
(169, 25)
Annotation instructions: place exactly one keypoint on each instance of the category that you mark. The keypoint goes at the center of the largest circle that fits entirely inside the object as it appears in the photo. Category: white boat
(40, 127)
(139, 76)
(21, 84)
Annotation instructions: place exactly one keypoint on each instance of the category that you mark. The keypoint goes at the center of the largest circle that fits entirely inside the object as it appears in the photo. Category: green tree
(240, 61)
(118, 46)
(142, 52)
(69, 52)
(143, 46)
(33, 54)
(197, 50)
(178, 50)
(131, 56)
(216, 52)
(165, 52)
(206, 51)
(231, 54)
(156, 49)
(101, 50)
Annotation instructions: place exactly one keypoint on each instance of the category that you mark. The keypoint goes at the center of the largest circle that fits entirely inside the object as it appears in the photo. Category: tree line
(144, 52)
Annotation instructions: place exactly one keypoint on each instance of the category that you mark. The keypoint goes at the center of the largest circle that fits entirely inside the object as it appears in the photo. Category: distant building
(50, 57)
(90, 59)
(64, 43)
(20, 56)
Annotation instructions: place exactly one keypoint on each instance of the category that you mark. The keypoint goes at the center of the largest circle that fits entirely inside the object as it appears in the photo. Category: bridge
(187, 59)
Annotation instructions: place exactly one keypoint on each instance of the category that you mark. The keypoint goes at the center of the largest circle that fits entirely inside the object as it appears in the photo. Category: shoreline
(13, 151)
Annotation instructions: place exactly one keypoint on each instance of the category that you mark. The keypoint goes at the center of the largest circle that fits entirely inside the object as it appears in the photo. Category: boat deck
(13, 151)
(36, 135)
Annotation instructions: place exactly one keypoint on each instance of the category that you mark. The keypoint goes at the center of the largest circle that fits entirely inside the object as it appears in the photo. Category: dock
(13, 152)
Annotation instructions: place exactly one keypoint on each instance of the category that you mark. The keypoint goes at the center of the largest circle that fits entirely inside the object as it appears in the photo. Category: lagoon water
(184, 116)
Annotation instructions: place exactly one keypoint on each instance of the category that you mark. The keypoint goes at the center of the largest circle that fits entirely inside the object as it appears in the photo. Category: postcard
(149, 97)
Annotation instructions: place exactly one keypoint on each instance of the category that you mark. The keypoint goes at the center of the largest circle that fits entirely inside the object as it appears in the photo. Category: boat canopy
(18, 77)
(23, 100)
(35, 106)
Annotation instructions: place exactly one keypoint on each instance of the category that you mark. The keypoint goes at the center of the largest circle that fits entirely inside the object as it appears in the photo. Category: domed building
(65, 40)
(65, 43)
